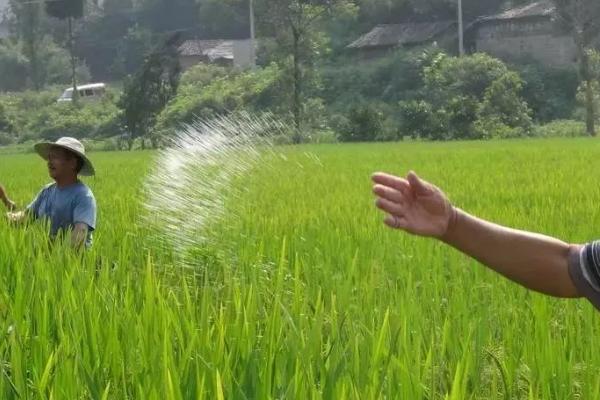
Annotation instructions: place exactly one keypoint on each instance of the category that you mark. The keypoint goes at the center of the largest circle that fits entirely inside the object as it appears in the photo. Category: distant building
(234, 53)
(384, 38)
(524, 32)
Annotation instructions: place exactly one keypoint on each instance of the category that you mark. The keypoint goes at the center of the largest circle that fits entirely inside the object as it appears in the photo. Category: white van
(91, 92)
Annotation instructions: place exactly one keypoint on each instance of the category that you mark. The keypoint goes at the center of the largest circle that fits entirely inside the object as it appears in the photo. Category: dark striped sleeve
(585, 272)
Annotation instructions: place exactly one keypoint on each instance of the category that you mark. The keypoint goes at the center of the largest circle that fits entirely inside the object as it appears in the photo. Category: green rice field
(302, 292)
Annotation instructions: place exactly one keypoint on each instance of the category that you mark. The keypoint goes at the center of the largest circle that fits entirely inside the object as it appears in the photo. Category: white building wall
(540, 40)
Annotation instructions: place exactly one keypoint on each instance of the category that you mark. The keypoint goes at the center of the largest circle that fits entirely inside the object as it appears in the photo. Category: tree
(147, 93)
(224, 18)
(471, 97)
(394, 11)
(582, 19)
(13, 66)
(296, 24)
(131, 50)
(472, 9)
(116, 6)
(29, 17)
(167, 15)
(69, 10)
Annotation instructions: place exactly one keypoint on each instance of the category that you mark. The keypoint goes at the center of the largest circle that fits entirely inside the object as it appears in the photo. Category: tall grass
(306, 294)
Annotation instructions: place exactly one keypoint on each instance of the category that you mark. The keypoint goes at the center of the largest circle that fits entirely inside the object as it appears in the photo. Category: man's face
(61, 163)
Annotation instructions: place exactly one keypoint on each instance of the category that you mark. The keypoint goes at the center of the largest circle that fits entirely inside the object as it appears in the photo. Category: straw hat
(70, 144)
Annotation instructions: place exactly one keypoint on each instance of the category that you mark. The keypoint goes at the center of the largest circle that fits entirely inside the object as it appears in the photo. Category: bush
(209, 97)
(561, 128)
(473, 94)
(202, 75)
(580, 112)
(323, 136)
(418, 119)
(494, 128)
(13, 66)
(504, 110)
(391, 79)
(437, 97)
(365, 123)
(549, 92)
(81, 121)
(6, 139)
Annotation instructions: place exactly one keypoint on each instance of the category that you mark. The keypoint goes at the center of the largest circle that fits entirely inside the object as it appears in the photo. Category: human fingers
(396, 222)
(390, 207)
(389, 193)
(392, 181)
(418, 185)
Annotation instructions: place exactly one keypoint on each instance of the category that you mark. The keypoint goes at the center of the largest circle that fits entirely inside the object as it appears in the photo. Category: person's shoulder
(81, 189)
(48, 187)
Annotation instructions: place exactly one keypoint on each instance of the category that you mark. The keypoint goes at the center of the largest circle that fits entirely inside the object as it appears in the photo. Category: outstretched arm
(538, 262)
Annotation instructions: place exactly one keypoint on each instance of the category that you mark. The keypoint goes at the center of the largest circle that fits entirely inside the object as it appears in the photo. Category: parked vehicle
(90, 92)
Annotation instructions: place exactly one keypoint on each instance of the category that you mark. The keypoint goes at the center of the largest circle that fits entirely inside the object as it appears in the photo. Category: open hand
(413, 205)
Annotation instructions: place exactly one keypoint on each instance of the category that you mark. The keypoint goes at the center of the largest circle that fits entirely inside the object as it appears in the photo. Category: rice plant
(303, 293)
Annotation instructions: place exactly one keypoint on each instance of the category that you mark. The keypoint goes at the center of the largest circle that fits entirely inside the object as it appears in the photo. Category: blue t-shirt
(66, 207)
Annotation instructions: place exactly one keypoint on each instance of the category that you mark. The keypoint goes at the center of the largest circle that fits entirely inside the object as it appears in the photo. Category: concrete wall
(538, 39)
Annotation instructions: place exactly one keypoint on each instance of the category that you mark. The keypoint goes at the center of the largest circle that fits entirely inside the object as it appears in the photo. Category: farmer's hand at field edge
(16, 217)
(3, 196)
(413, 205)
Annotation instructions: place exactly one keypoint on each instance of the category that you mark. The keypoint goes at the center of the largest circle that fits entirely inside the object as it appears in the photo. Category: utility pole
(252, 36)
(461, 39)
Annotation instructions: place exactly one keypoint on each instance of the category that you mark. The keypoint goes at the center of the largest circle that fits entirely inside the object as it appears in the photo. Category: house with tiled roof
(526, 32)
(234, 53)
(386, 37)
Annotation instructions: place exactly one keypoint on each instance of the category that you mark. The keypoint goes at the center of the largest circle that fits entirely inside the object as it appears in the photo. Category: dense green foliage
(56, 69)
(421, 94)
(306, 76)
(303, 292)
(32, 116)
(474, 97)
(147, 93)
(64, 9)
(207, 92)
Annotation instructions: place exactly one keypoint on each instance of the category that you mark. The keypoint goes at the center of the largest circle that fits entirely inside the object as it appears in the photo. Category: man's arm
(10, 205)
(79, 235)
(535, 261)
(538, 262)
(13, 216)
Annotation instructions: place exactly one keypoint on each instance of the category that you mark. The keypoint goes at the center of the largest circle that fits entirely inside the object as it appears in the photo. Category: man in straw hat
(67, 203)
